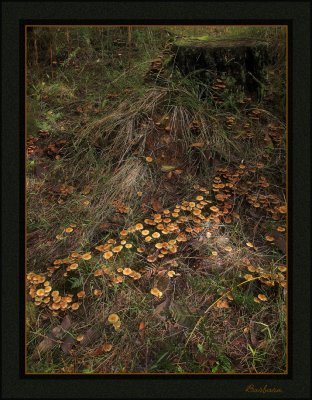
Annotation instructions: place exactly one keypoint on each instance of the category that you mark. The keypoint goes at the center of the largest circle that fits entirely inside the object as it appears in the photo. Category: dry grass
(104, 167)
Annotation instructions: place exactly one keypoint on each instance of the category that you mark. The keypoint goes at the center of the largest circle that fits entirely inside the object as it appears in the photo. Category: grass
(92, 119)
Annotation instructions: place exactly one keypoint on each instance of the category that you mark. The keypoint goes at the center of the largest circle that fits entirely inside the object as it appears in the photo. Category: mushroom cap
(117, 249)
(156, 292)
(262, 297)
(107, 255)
(137, 276)
(282, 209)
(107, 347)
(160, 226)
(68, 299)
(98, 272)
(41, 279)
(40, 292)
(113, 318)
(127, 271)
(269, 238)
(55, 306)
(86, 256)
(156, 235)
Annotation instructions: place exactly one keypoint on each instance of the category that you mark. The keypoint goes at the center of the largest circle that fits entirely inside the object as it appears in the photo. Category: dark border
(15, 386)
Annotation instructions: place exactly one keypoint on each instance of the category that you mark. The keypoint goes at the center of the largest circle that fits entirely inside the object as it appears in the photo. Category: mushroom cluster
(163, 234)
(40, 290)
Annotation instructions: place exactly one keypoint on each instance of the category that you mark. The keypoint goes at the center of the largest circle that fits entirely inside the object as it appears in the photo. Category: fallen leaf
(45, 345)
(156, 205)
(67, 344)
(52, 338)
(160, 308)
(280, 241)
(66, 323)
(88, 337)
(268, 141)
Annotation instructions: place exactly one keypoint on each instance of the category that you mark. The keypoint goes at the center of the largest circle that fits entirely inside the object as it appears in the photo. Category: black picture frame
(294, 385)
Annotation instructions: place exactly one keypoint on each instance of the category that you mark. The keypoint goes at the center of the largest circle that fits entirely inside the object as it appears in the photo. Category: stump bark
(242, 59)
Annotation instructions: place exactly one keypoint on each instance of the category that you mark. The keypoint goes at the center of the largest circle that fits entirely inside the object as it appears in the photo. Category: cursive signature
(263, 389)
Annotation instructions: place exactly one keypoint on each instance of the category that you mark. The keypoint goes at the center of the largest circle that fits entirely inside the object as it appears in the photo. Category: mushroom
(127, 271)
(75, 306)
(86, 256)
(40, 292)
(156, 292)
(117, 249)
(107, 347)
(113, 318)
(107, 255)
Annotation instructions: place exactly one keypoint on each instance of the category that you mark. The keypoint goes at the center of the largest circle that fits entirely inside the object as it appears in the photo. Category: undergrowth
(156, 208)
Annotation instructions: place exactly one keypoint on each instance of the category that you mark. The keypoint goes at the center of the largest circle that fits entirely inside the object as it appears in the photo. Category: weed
(119, 143)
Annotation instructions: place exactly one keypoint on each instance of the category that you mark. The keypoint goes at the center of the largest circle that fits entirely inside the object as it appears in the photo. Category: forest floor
(156, 217)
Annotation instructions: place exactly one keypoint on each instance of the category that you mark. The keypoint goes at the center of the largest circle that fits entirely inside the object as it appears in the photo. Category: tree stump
(242, 59)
